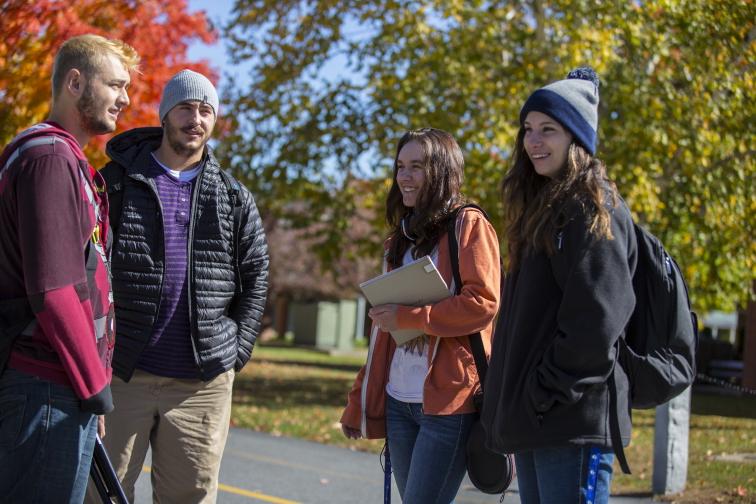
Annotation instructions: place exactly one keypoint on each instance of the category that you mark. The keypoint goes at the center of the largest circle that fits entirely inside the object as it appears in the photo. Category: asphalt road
(258, 468)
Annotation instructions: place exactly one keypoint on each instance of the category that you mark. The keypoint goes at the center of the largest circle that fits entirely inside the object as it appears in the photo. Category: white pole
(671, 445)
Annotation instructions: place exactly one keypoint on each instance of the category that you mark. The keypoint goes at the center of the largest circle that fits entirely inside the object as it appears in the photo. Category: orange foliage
(32, 32)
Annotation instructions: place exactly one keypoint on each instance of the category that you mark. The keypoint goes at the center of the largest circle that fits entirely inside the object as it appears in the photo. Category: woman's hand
(351, 433)
(384, 316)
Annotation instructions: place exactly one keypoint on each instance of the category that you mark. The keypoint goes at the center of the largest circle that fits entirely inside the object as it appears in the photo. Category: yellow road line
(255, 495)
(245, 493)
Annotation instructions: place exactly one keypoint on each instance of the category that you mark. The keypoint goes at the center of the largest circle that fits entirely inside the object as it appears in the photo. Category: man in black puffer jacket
(190, 275)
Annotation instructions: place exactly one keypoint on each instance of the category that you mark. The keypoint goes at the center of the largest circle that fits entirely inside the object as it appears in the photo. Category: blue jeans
(569, 475)
(427, 452)
(46, 441)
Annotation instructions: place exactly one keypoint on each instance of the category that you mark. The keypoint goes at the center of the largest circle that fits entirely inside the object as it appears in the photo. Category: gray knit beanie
(573, 102)
(188, 85)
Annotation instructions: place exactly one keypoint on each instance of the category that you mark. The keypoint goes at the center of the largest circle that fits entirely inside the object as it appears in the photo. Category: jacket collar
(132, 149)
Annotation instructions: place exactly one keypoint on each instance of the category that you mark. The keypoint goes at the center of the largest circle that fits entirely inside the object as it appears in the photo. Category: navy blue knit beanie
(573, 102)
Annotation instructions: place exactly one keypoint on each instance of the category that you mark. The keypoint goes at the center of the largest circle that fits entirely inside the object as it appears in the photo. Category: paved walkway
(258, 468)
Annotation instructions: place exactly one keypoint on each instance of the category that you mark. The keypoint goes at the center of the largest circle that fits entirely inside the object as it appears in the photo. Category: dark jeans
(46, 441)
(569, 475)
(427, 452)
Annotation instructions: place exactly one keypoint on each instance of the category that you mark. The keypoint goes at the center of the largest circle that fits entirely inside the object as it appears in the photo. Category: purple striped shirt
(169, 351)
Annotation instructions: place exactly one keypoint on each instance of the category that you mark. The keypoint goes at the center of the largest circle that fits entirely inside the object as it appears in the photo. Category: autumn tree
(335, 83)
(32, 31)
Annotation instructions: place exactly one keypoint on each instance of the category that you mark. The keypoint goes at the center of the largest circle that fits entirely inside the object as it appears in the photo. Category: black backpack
(658, 352)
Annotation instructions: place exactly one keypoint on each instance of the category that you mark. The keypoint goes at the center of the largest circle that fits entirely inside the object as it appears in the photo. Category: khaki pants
(185, 422)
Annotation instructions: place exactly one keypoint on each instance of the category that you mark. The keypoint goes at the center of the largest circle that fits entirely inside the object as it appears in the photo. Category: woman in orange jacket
(420, 395)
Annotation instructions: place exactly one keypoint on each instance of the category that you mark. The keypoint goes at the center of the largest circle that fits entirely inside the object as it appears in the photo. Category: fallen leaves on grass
(306, 400)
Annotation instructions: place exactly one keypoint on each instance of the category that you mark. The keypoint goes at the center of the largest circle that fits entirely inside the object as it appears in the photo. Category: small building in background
(314, 305)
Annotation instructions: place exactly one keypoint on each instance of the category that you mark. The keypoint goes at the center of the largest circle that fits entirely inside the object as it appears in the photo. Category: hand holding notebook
(415, 284)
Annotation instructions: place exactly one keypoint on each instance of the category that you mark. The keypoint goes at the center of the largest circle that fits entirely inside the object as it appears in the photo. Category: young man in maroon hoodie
(56, 314)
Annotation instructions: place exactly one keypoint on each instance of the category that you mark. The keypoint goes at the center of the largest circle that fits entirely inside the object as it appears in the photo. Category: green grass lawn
(301, 393)
(297, 392)
(718, 425)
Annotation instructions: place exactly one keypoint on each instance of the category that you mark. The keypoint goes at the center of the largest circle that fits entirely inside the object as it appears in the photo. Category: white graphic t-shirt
(409, 369)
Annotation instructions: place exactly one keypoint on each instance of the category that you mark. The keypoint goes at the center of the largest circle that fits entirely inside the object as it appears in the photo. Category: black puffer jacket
(224, 322)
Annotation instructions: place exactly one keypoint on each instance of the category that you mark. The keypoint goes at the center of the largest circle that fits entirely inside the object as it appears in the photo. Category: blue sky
(219, 12)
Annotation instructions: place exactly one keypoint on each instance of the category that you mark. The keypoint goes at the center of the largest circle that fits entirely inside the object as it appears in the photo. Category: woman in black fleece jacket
(567, 298)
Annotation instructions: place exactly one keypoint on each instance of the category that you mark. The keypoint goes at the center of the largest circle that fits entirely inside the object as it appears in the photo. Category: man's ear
(74, 82)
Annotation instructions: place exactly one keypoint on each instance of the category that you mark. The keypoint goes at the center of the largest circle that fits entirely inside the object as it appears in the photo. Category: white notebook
(415, 284)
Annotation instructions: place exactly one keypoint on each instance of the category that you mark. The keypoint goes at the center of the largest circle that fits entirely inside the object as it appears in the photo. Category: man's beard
(89, 110)
(172, 134)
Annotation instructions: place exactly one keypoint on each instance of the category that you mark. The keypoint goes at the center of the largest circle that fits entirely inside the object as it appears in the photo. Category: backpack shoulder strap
(232, 184)
(614, 427)
(234, 188)
(451, 230)
(27, 141)
(476, 342)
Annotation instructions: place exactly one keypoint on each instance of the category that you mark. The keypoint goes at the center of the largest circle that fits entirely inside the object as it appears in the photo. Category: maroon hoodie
(53, 235)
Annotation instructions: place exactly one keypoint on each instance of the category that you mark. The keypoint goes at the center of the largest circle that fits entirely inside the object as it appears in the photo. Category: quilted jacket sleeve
(249, 305)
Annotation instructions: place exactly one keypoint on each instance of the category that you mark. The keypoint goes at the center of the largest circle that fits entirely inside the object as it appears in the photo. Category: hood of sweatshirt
(133, 145)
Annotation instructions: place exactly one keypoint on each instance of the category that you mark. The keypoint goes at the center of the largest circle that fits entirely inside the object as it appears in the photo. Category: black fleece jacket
(225, 318)
(554, 348)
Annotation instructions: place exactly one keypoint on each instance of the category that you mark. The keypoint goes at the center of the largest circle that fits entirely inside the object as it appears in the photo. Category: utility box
(325, 325)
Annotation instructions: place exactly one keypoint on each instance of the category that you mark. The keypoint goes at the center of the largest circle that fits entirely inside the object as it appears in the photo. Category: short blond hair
(85, 54)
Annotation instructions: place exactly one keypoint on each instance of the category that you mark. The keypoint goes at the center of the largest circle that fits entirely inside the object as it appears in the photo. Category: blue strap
(593, 468)
(387, 476)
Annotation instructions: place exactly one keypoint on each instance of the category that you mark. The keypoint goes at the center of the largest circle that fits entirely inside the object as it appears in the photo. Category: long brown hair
(535, 205)
(423, 225)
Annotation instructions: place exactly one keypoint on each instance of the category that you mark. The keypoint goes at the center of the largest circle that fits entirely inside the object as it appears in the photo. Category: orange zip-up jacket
(452, 378)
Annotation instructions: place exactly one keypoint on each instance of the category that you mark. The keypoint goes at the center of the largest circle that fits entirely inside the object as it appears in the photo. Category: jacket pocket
(452, 370)
(585, 419)
(226, 325)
